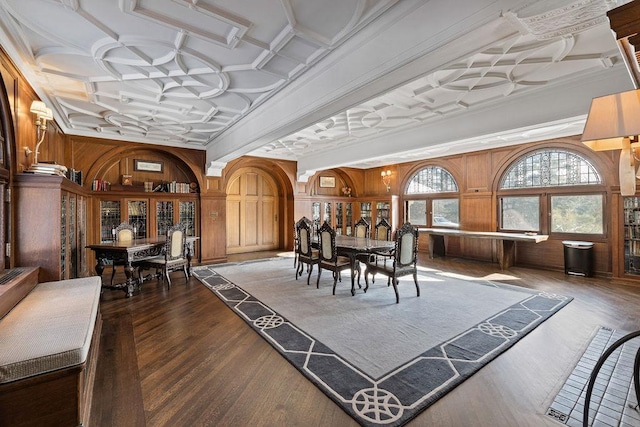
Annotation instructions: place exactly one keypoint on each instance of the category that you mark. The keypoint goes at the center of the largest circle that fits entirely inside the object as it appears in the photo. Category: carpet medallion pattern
(399, 395)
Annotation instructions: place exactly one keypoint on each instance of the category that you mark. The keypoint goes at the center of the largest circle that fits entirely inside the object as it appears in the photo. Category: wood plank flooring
(179, 357)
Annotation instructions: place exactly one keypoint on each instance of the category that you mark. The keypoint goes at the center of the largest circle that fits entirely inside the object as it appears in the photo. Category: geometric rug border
(404, 392)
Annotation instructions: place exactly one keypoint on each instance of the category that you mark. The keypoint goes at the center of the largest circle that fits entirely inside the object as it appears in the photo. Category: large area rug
(382, 362)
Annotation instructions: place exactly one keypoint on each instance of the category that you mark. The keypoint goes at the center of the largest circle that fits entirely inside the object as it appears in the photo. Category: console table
(506, 241)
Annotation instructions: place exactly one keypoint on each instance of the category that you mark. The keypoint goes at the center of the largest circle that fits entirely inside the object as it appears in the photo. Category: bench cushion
(50, 329)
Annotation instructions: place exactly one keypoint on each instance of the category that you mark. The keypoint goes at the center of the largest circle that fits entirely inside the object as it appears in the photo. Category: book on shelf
(100, 185)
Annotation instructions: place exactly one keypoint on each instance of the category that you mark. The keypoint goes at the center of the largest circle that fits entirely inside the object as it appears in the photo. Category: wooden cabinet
(375, 210)
(343, 214)
(338, 213)
(149, 213)
(51, 224)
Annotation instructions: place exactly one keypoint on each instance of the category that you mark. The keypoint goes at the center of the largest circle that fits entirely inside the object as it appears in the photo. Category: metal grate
(8, 275)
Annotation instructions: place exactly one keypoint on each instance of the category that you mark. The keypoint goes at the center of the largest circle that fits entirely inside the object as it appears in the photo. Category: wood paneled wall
(477, 175)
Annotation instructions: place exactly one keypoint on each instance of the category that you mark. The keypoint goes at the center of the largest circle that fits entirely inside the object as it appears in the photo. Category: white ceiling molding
(562, 107)
(306, 80)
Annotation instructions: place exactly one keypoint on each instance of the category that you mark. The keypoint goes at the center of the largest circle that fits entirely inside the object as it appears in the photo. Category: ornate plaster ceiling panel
(171, 71)
(196, 73)
(546, 49)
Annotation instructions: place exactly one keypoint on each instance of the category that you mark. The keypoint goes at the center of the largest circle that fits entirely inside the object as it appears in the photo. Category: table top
(136, 243)
(525, 237)
(362, 243)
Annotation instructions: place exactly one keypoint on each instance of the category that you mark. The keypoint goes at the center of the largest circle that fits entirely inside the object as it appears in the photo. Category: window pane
(417, 212)
(550, 168)
(577, 214)
(432, 179)
(446, 213)
(520, 213)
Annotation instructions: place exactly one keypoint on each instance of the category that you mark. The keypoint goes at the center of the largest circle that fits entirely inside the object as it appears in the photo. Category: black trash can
(578, 258)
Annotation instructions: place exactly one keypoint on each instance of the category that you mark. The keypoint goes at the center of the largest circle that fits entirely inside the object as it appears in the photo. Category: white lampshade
(614, 124)
(41, 110)
(612, 118)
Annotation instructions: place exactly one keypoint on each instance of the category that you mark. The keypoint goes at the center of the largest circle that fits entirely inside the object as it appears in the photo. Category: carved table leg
(131, 282)
(100, 267)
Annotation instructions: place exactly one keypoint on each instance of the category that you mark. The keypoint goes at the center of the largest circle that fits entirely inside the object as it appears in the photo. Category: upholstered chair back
(362, 228)
(406, 245)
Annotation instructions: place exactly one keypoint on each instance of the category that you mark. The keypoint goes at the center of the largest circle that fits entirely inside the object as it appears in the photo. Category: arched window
(552, 191)
(432, 179)
(431, 198)
(550, 168)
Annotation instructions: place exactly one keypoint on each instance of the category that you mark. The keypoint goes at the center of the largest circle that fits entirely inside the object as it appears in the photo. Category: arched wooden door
(252, 212)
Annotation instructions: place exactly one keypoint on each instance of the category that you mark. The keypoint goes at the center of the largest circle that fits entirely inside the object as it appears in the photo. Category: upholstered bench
(48, 351)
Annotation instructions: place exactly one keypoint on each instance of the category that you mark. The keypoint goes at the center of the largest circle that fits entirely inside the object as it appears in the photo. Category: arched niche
(126, 161)
(332, 183)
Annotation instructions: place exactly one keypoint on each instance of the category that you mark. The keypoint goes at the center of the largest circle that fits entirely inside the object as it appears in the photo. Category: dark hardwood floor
(180, 357)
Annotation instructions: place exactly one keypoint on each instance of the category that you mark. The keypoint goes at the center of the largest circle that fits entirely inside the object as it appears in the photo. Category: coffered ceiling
(328, 83)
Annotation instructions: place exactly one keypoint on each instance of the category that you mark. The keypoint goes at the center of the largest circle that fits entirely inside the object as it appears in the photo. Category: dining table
(352, 247)
(129, 252)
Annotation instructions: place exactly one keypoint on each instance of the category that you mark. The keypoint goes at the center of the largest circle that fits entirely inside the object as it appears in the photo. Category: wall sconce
(386, 179)
(43, 113)
(613, 124)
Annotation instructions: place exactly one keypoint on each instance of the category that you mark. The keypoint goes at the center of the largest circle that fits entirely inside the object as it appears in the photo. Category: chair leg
(309, 275)
(113, 273)
(166, 274)
(415, 279)
(319, 273)
(336, 274)
(186, 273)
(366, 279)
(395, 289)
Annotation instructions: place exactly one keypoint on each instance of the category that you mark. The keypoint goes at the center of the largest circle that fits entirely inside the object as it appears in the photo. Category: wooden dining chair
(123, 233)
(362, 228)
(382, 232)
(329, 258)
(174, 255)
(402, 259)
(306, 254)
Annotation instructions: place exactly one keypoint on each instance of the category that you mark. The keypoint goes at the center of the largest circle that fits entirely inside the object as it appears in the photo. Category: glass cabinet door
(73, 243)
(109, 220)
(188, 216)
(137, 212)
(315, 215)
(365, 211)
(63, 235)
(632, 235)
(383, 210)
(327, 213)
(348, 220)
(164, 216)
(339, 218)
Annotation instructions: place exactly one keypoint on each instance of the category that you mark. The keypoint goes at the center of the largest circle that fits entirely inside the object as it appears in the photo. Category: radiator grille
(8, 275)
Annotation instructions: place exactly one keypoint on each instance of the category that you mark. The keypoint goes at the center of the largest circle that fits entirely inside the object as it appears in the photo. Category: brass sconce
(386, 179)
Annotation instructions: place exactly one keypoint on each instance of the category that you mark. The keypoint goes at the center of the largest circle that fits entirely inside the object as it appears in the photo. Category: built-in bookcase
(51, 204)
(632, 235)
